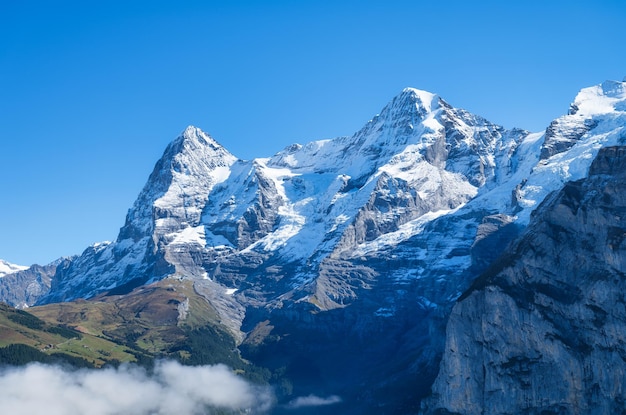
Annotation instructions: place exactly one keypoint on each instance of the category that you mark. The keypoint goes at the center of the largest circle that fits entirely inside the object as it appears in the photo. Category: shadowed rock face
(23, 288)
(563, 133)
(544, 330)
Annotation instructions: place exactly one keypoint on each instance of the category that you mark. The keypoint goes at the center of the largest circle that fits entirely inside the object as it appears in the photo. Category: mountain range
(432, 261)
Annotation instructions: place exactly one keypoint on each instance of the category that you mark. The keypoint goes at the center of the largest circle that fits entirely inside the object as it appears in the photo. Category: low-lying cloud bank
(170, 389)
(312, 400)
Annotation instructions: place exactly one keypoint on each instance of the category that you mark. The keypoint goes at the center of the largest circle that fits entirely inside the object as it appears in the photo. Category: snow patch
(404, 232)
(190, 235)
(7, 268)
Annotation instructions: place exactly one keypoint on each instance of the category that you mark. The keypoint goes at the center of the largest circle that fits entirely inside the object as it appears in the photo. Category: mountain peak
(189, 167)
(194, 152)
(604, 98)
(405, 111)
(425, 99)
(193, 134)
(191, 130)
(411, 102)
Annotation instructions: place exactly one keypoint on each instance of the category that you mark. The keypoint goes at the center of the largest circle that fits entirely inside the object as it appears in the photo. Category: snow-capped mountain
(167, 210)
(359, 242)
(8, 268)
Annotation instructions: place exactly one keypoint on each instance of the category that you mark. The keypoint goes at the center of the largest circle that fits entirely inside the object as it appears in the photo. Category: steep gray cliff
(544, 330)
(24, 288)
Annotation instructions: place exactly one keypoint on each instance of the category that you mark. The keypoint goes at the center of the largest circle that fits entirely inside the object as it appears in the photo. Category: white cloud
(312, 400)
(171, 389)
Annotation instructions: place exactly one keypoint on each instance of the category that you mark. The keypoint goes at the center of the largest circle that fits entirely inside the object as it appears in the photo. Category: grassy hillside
(19, 327)
(155, 320)
(167, 319)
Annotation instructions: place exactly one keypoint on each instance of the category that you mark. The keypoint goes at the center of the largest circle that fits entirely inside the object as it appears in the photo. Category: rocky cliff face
(543, 331)
(24, 286)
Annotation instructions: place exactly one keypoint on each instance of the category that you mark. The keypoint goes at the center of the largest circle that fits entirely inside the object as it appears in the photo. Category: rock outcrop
(23, 288)
(544, 330)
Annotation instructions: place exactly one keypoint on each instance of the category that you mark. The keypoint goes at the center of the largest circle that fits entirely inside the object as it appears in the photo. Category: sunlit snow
(7, 268)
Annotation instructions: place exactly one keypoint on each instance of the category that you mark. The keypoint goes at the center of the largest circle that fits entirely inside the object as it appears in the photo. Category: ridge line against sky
(93, 93)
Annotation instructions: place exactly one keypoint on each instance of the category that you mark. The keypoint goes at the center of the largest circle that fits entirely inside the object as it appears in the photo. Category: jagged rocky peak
(195, 134)
(195, 151)
(180, 182)
(414, 126)
(381, 137)
(167, 211)
(589, 105)
(401, 117)
(411, 103)
(193, 154)
(198, 163)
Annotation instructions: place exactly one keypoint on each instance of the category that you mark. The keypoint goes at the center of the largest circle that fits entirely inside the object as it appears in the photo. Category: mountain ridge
(373, 235)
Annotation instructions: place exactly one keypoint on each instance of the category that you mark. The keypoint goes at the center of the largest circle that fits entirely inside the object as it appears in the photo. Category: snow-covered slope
(8, 268)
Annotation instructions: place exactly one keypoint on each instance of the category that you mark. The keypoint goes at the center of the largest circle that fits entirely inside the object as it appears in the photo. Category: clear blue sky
(91, 92)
